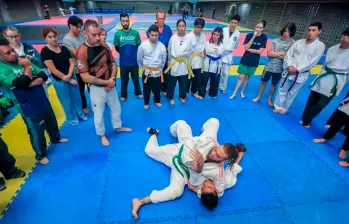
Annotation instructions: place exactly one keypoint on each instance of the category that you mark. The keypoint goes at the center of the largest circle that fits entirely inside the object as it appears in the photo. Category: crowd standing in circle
(198, 65)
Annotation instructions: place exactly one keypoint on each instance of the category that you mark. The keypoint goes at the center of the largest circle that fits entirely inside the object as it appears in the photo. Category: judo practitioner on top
(186, 160)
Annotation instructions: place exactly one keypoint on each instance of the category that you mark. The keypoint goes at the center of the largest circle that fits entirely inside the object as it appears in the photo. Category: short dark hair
(199, 22)
(89, 23)
(153, 28)
(181, 20)
(75, 21)
(291, 29)
(4, 42)
(346, 32)
(263, 22)
(318, 24)
(124, 14)
(209, 200)
(235, 17)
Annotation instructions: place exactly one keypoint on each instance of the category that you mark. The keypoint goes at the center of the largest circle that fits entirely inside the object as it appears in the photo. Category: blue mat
(272, 216)
(320, 213)
(250, 128)
(156, 176)
(297, 175)
(88, 183)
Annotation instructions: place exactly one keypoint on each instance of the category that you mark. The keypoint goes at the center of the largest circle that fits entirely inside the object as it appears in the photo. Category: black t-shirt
(252, 59)
(60, 60)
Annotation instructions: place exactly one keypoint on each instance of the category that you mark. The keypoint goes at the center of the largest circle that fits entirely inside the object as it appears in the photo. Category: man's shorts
(275, 77)
(246, 70)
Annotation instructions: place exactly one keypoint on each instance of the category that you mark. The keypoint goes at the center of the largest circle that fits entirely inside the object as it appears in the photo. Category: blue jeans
(69, 96)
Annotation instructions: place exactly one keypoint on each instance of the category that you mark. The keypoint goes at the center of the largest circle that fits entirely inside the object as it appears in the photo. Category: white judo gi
(197, 46)
(303, 57)
(337, 60)
(165, 154)
(230, 43)
(179, 47)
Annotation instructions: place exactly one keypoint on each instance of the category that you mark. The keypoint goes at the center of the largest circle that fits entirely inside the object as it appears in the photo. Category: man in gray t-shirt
(274, 67)
(72, 41)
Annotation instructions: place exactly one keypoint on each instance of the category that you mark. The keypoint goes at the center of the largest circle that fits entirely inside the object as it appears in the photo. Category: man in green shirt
(24, 82)
(126, 42)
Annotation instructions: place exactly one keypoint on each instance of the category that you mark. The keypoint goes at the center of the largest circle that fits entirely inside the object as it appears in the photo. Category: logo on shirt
(235, 38)
(128, 38)
(18, 72)
(79, 64)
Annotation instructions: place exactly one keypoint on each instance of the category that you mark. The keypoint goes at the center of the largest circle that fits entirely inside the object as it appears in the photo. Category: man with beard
(126, 42)
(98, 68)
(24, 83)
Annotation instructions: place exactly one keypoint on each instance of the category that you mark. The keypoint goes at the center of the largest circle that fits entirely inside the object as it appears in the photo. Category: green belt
(328, 72)
(178, 157)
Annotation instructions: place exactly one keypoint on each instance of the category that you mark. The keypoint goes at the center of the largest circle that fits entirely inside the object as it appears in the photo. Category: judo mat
(286, 178)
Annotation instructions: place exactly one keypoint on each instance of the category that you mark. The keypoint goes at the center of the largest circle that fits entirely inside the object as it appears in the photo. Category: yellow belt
(184, 60)
(150, 70)
(193, 55)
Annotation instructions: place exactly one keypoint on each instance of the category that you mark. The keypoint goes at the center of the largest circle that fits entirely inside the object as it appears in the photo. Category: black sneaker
(2, 184)
(17, 173)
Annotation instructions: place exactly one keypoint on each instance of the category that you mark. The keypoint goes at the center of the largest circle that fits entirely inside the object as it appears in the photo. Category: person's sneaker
(74, 123)
(17, 173)
(2, 184)
(84, 118)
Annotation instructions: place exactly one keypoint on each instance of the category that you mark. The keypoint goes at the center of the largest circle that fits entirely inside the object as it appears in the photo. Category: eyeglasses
(13, 37)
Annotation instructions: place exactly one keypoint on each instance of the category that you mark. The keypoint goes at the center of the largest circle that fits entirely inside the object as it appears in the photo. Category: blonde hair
(10, 28)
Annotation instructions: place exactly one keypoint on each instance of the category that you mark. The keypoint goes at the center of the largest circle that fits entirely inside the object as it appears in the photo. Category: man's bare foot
(342, 154)
(44, 161)
(123, 129)
(282, 112)
(276, 111)
(319, 140)
(105, 141)
(195, 95)
(200, 97)
(270, 103)
(255, 100)
(327, 126)
(182, 100)
(224, 92)
(140, 96)
(232, 96)
(85, 111)
(343, 164)
(172, 102)
(146, 107)
(63, 140)
(207, 89)
(164, 93)
(306, 126)
(242, 95)
(122, 98)
(136, 204)
(158, 104)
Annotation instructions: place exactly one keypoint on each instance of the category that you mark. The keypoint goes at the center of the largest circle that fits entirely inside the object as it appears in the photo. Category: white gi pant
(284, 98)
(164, 154)
(225, 76)
(99, 97)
